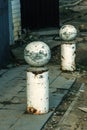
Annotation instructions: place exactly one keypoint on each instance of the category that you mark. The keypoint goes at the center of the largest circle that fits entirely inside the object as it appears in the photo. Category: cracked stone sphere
(37, 53)
(68, 32)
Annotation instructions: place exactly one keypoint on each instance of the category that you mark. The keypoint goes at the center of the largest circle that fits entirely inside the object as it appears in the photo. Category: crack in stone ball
(37, 53)
(68, 32)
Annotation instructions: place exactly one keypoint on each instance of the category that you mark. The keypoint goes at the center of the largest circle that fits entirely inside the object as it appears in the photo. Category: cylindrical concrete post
(68, 54)
(37, 90)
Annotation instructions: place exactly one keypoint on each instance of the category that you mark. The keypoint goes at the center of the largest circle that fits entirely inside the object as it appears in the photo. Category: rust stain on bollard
(31, 110)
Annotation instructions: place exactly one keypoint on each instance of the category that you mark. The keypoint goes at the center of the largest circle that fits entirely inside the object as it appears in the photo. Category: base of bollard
(67, 71)
(33, 111)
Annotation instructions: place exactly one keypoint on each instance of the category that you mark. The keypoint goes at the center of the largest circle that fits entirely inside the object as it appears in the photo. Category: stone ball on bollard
(37, 53)
(68, 32)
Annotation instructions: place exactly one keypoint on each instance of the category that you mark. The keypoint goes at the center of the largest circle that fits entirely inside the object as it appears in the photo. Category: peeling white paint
(68, 54)
(37, 90)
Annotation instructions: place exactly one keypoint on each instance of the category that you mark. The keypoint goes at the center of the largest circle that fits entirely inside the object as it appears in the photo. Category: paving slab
(21, 107)
(62, 83)
(12, 90)
(54, 72)
(13, 101)
(59, 82)
(8, 118)
(11, 76)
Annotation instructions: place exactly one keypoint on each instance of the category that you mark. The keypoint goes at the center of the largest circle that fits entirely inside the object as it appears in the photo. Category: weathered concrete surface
(69, 119)
(13, 98)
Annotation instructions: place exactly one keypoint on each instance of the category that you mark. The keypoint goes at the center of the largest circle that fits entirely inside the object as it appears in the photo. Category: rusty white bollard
(37, 54)
(68, 34)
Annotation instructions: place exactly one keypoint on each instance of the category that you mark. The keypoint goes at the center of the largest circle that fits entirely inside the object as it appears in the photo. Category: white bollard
(68, 54)
(37, 54)
(37, 90)
(68, 34)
